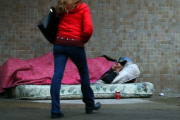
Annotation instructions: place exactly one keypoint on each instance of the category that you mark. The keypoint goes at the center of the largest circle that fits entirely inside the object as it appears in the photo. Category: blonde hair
(64, 6)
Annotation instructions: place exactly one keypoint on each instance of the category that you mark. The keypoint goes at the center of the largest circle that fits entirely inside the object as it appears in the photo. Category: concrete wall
(147, 31)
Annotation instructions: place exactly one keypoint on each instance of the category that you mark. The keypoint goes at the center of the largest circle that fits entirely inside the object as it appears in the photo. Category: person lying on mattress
(109, 76)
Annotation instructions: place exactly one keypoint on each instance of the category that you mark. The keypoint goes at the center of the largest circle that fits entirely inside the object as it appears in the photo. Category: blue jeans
(78, 56)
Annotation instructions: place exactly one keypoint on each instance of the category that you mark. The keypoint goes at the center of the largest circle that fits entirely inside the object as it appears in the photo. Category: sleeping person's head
(120, 64)
(117, 67)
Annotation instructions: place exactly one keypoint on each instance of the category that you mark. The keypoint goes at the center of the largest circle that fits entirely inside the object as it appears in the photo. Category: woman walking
(74, 30)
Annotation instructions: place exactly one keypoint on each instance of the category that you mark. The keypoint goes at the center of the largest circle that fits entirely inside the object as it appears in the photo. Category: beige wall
(147, 31)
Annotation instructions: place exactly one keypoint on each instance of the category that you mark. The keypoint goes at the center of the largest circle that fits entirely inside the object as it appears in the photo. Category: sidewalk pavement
(112, 109)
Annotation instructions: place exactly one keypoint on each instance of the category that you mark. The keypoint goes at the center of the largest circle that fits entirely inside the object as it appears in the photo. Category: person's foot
(57, 115)
(90, 108)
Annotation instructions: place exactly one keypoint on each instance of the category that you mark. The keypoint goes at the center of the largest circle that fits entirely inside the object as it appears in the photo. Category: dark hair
(123, 62)
(109, 58)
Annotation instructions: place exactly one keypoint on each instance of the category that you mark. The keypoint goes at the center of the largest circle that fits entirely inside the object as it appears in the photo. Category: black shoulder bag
(49, 25)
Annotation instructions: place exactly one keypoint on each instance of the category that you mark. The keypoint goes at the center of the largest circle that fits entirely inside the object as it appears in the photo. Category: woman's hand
(118, 70)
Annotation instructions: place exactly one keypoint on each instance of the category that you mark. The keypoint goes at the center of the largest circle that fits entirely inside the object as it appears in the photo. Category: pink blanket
(39, 71)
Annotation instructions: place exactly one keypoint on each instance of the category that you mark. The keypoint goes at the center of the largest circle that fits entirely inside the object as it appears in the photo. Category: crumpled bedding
(39, 71)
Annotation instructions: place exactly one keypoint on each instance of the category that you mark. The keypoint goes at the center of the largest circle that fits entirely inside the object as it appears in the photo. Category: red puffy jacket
(75, 28)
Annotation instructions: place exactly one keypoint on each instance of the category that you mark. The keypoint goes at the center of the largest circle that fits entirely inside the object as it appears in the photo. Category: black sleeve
(110, 77)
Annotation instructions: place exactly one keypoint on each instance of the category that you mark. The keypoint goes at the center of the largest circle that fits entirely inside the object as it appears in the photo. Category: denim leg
(78, 56)
(60, 60)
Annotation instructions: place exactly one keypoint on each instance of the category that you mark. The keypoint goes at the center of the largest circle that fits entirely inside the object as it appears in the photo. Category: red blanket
(39, 71)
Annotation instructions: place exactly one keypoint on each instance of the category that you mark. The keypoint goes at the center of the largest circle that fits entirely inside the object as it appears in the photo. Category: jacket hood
(79, 7)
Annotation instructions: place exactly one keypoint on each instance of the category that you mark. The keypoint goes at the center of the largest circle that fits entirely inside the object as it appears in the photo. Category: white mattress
(134, 90)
